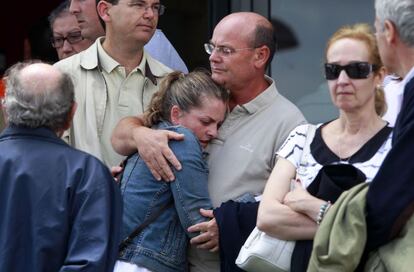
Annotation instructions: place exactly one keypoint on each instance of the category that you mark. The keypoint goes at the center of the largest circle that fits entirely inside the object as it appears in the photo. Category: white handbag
(264, 253)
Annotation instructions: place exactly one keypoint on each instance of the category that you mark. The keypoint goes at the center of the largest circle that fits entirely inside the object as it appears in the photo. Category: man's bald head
(258, 30)
(38, 95)
(40, 77)
(247, 20)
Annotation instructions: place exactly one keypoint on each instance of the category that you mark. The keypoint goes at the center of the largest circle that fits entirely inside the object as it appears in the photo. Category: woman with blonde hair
(195, 106)
(357, 141)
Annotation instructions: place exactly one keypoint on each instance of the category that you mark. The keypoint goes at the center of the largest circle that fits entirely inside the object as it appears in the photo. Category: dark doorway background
(187, 24)
(17, 19)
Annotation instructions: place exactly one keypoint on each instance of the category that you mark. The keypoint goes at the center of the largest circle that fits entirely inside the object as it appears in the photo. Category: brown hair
(364, 33)
(185, 91)
(264, 34)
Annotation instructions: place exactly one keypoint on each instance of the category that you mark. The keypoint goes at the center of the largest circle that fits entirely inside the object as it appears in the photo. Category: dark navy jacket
(390, 197)
(60, 209)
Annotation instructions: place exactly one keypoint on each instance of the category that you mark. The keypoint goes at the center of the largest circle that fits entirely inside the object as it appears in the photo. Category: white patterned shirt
(368, 159)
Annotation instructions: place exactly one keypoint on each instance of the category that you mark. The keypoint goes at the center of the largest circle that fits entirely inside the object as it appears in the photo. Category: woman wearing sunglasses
(359, 137)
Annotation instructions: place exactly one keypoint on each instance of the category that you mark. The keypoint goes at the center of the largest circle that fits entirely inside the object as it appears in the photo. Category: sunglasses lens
(356, 70)
(332, 71)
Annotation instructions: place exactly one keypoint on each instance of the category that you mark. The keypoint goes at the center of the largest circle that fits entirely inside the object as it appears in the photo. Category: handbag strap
(310, 133)
(144, 224)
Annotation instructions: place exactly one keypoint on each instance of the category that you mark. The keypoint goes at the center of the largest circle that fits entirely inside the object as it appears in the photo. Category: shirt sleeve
(95, 216)
(190, 190)
(292, 148)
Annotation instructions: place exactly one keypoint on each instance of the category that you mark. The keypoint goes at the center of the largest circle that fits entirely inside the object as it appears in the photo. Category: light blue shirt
(161, 49)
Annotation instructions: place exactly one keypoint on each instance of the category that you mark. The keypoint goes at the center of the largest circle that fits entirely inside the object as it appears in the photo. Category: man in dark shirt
(390, 198)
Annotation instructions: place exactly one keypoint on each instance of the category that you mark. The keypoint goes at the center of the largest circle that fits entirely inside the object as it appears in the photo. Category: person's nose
(67, 47)
(212, 131)
(74, 6)
(149, 13)
(214, 56)
(343, 77)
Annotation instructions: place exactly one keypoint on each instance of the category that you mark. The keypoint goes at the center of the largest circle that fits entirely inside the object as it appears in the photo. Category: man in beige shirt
(114, 77)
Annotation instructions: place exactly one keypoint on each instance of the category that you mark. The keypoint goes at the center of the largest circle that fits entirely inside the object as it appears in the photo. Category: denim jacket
(162, 245)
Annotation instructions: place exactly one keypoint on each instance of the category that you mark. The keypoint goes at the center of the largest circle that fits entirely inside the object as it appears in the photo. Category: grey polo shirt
(244, 153)
(242, 157)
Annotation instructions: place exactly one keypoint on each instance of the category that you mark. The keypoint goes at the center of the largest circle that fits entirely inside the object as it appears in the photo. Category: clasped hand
(209, 237)
(297, 198)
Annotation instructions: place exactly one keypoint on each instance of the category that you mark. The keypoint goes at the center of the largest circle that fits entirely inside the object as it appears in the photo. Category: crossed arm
(285, 214)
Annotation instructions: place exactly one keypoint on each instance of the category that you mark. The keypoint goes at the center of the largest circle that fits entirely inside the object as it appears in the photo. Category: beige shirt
(105, 94)
(244, 153)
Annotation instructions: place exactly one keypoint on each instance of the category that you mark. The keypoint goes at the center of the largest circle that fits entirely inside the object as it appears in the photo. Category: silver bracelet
(322, 211)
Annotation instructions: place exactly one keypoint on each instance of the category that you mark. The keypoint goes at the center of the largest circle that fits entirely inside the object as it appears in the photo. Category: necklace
(341, 158)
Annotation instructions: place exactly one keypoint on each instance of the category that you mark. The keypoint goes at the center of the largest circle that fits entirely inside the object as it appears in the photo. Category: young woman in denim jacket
(195, 106)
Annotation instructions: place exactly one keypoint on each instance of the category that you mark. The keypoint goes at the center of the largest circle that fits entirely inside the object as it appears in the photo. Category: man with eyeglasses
(66, 34)
(159, 47)
(114, 77)
(244, 153)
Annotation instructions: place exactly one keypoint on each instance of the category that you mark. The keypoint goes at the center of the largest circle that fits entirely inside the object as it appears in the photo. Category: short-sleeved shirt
(242, 157)
(368, 158)
(105, 94)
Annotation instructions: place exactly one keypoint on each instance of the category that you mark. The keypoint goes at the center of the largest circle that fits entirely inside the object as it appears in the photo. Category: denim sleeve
(190, 188)
(95, 216)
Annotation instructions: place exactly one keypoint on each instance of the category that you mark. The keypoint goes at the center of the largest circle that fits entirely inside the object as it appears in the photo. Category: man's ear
(262, 54)
(103, 10)
(70, 116)
(390, 32)
(3, 114)
(175, 115)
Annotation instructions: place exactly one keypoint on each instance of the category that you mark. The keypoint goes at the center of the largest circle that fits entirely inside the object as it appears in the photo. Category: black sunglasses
(355, 70)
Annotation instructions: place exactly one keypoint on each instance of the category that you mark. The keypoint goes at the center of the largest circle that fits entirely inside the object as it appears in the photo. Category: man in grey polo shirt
(260, 118)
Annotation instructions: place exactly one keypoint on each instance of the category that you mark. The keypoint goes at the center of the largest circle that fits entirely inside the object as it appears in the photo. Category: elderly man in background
(390, 198)
(60, 209)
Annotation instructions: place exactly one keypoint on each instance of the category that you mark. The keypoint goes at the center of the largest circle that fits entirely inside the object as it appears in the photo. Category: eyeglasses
(355, 70)
(72, 38)
(141, 6)
(223, 50)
